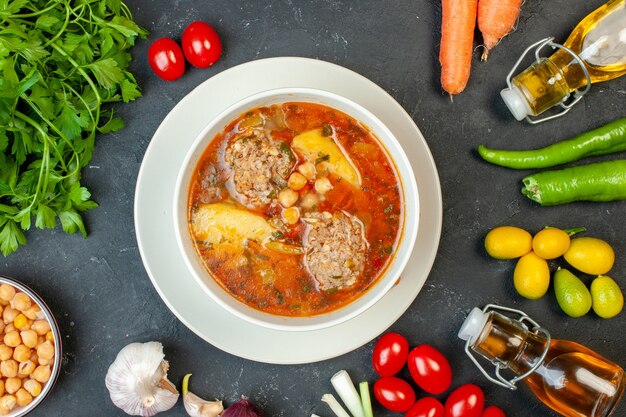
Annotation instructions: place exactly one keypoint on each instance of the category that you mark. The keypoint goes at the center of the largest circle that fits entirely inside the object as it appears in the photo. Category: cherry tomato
(201, 45)
(430, 370)
(426, 407)
(493, 411)
(466, 401)
(394, 394)
(166, 59)
(390, 353)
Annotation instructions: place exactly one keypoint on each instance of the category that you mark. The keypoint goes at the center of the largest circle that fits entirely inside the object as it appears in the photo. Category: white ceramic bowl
(409, 195)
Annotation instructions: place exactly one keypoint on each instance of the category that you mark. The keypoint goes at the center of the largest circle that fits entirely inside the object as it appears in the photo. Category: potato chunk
(326, 154)
(226, 224)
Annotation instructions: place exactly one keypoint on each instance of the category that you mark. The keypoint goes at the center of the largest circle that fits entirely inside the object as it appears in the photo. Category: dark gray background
(104, 300)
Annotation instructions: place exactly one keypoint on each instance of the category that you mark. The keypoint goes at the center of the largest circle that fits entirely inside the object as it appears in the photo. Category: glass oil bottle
(594, 52)
(566, 376)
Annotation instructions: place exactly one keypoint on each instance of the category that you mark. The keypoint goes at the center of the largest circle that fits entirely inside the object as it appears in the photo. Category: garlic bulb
(137, 380)
(196, 406)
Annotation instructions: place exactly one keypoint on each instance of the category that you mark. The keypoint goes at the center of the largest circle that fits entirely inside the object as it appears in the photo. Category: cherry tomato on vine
(466, 401)
(166, 59)
(201, 45)
(430, 370)
(493, 411)
(390, 353)
(426, 407)
(394, 394)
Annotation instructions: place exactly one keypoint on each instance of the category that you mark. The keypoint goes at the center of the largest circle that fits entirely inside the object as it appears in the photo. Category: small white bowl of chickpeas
(30, 349)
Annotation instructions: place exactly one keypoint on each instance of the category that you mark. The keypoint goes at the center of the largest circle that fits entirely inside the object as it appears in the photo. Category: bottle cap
(473, 325)
(516, 102)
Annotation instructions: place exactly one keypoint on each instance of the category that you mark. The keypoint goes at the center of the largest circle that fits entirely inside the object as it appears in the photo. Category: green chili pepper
(600, 181)
(606, 139)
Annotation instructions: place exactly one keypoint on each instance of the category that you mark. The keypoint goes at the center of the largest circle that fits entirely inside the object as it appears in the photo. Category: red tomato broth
(280, 284)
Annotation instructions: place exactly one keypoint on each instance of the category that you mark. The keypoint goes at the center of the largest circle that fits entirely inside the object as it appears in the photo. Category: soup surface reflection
(295, 209)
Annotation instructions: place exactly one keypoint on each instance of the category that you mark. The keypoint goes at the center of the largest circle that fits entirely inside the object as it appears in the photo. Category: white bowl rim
(407, 238)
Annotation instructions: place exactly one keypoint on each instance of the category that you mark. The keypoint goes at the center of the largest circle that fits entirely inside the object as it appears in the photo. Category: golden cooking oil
(599, 40)
(571, 379)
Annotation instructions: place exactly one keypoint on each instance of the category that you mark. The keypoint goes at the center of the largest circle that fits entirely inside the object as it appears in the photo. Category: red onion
(242, 408)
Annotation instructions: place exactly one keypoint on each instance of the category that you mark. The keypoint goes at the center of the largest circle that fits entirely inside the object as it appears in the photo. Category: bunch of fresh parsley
(62, 62)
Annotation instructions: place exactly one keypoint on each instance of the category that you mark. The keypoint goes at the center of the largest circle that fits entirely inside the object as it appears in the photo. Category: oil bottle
(566, 376)
(594, 52)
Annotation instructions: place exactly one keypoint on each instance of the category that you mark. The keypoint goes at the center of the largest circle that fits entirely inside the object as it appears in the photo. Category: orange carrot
(496, 19)
(458, 19)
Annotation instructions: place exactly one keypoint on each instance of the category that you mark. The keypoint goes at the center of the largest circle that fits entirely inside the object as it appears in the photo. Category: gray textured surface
(103, 298)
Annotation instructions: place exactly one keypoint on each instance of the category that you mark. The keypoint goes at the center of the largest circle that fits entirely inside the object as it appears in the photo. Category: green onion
(366, 402)
(346, 390)
(334, 405)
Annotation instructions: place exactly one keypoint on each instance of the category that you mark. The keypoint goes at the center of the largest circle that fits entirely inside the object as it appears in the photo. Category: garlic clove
(196, 406)
(137, 380)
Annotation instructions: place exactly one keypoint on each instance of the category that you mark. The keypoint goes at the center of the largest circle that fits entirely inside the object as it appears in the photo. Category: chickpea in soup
(295, 209)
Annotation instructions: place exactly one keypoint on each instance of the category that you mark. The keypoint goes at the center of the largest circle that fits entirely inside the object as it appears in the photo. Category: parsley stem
(33, 14)
(45, 165)
(50, 124)
(87, 78)
(82, 99)
(82, 72)
(60, 32)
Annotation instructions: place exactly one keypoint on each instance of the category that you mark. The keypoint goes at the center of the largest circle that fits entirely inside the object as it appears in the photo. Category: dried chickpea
(296, 181)
(291, 215)
(42, 361)
(5, 352)
(21, 322)
(9, 328)
(23, 397)
(41, 327)
(42, 373)
(33, 312)
(29, 337)
(21, 301)
(288, 197)
(7, 292)
(33, 356)
(12, 339)
(8, 368)
(7, 403)
(33, 387)
(323, 185)
(50, 337)
(21, 353)
(309, 201)
(26, 368)
(45, 350)
(9, 314)
(11, 385)
(308, 170)
(2, 326)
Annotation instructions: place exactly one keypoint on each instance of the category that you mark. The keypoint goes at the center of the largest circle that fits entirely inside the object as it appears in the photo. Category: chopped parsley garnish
(322, 158)
(284, 148)
(326, 130)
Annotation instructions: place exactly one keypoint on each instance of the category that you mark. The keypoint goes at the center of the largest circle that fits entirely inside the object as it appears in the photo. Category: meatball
(335, 249)
(260, 168)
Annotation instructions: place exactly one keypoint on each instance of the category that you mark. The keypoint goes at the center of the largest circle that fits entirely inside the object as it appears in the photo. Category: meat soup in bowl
(296, 209)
